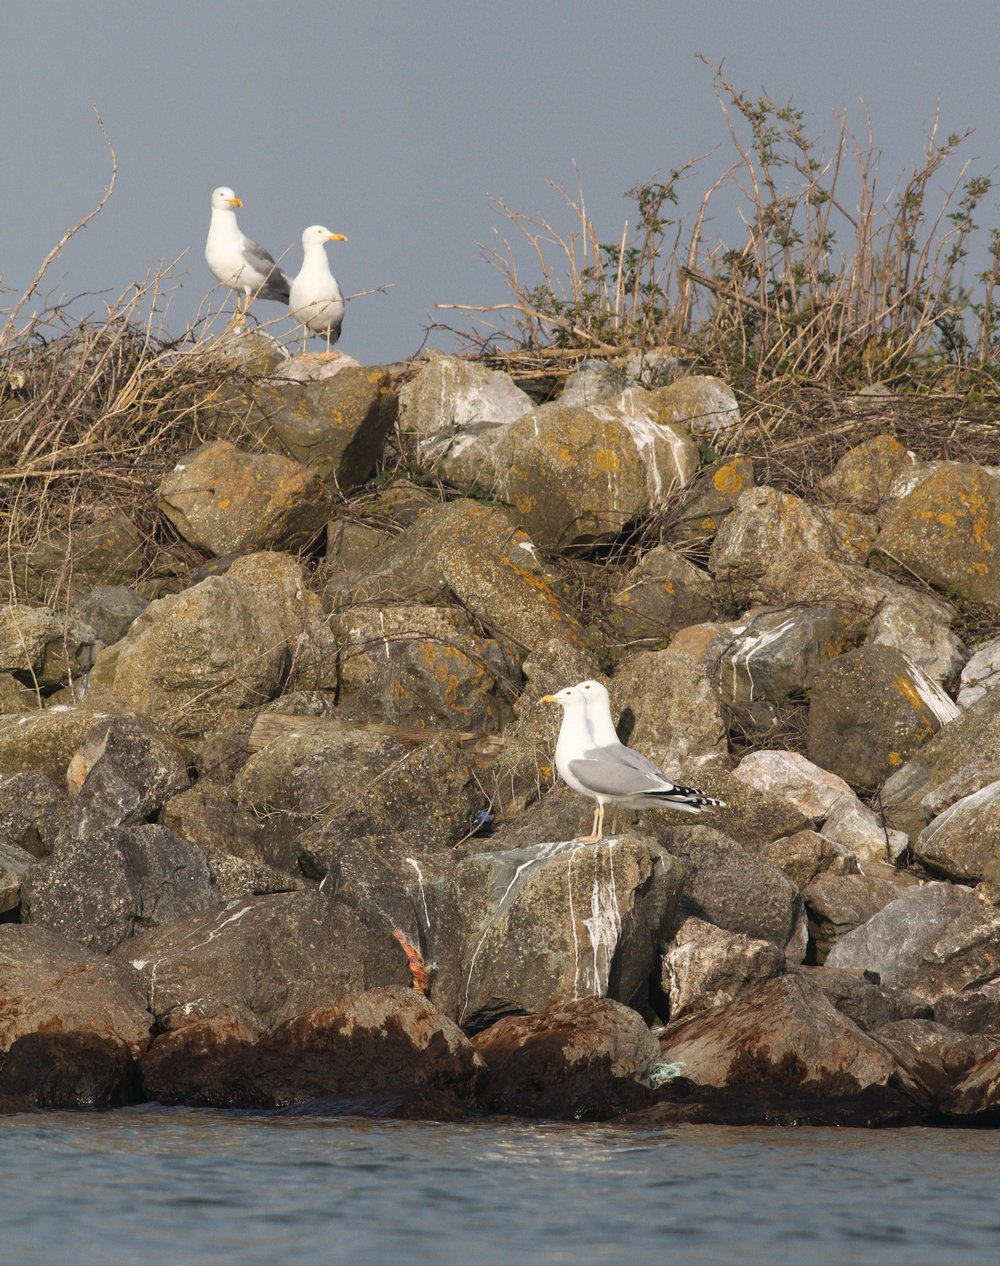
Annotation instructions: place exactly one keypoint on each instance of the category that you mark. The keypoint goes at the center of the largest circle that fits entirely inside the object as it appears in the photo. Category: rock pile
(284, 828)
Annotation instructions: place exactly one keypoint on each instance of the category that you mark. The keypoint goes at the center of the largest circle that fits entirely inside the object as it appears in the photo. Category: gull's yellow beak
(235, 202)
(549, 699)
(336, 237)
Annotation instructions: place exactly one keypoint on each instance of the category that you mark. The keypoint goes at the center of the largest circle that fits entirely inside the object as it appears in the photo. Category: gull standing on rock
(238, 262)
(614, 773)
(315, 299)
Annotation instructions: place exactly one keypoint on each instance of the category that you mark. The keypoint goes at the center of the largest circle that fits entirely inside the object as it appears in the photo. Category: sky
(395, 122)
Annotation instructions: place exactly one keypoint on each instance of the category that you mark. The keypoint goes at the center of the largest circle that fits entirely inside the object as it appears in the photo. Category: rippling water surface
(151, 1185)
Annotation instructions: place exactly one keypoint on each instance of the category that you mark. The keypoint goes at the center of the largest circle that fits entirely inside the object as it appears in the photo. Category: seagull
(613, 773)
(238, 262)
(315, 299)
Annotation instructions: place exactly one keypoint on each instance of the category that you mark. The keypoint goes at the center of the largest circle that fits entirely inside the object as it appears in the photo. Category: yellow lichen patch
(524, 504)
(978, 569)
(708, 524)
(909, 692)
(224, 503)
(727, 479)
(608, 460)
(947, 519)
(894, 759)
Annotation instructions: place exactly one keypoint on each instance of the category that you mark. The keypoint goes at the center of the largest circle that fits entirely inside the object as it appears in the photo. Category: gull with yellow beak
(613, 773)
(316, 302)
(238, 262)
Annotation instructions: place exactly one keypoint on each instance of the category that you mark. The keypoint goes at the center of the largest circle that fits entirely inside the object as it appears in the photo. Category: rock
(970, 1010)
(975, 1093)
(661, 594)
(837, 903)
(423, 665)
(705, 966)
(49, 984)
(865, 474)
(945, 532)
(109, 886)
(703, 404)
(963, 842)
(16, 697)
(352, 549)
(576, 476)
(736, 891)
(70, 1070)
(335, 426)
(593, 383)
(782, 1032)
(568, 1062)
(933, 940)
(105, 551)
(32, 812)
(124, 770)
(980, 674)
(527, 929)
(960, 759)
(765, 524)
(925, 640)
(313, 366)
(935, 1057)
(14, 866)
(207, 815)
(752, 818)
(109, 610)
(44, 649)
(274, 956)
(805, 854)
(777, 655)
(868, 1004)
(869, 710)
(681, 1102)
(382, 1041)
(854, 826)
(789, 775)
(195, 656)
(44, 742)
(711, 497)
(226, 501)
(451, 400)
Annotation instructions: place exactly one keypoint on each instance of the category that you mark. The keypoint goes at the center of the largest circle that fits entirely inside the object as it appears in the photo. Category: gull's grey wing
(604, 771)
(276, 284)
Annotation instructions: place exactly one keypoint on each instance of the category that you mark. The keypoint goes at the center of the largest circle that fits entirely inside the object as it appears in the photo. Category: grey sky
(392, 122)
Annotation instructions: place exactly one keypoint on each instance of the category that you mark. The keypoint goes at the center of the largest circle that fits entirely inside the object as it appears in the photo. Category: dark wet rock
(682, 1102)
(335, 426)
(107, 887)
(226, 501)
(78, 1069)
(869, 711)
(577, 1061)
(868, 1003)
(934, 1056)
(32, 812)
(527, 929)
(705, 966)
(50, 984)
(123, 771)
(381, 1040)
(109, 610)
(933, 940)
(837, 903)
(781, 1033)
(274, 956)
(736, 891)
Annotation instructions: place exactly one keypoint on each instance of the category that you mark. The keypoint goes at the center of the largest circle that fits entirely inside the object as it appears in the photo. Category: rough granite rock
(853, 826)
(868, 1004)
(963, 842)
(661, 594)
(765, 524)
(705, 966)
(15, 864)
(50, 984)
(935, 1057)
(805, 854)
(44, 742)
(934, 940)
(105, 551)
(703, 404)
(32, 812)
(789, 775)
(451, 401)
(109, 610)
(567, 1062)
(924, 637)
(226, 501)
(711, 497)
(871, 709)
(980, 674)
(865, 474)
(44, 649)
(837, 903)
(782, 1032)
(777, 655)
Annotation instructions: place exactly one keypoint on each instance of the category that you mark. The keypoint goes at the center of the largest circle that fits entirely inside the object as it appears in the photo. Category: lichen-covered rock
(963, 842)
(44, 742)
(701, 403)
(765, 524)
(805, 854)
(226, 501)
(922, 635)
(776, 655)
(109, 610)
(107, 888)
(947, 532)
(44, 649)
(711, 498)
(32, 812)
(936, 939)
(335, 426)
(527, 929)
(104, 551)
(865, 474)
(869, 710)
(454, 398)
(50, 984)
(661, 594)
(705, 966)
(782, 1032)
(193, 657)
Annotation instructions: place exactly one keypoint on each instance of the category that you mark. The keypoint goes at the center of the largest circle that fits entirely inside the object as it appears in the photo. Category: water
(146, 1186)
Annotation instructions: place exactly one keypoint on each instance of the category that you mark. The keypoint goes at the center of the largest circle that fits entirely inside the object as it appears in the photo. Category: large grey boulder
(792, 777)
(703, 404)
(451, 402)
(980, 674)
(963, 842)
(661, 594)
(765, 524)
(836, 904)
(705, 966)
(32, 812)
(777, 655)
(44, 742)
(44, 649)
(865, 475)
